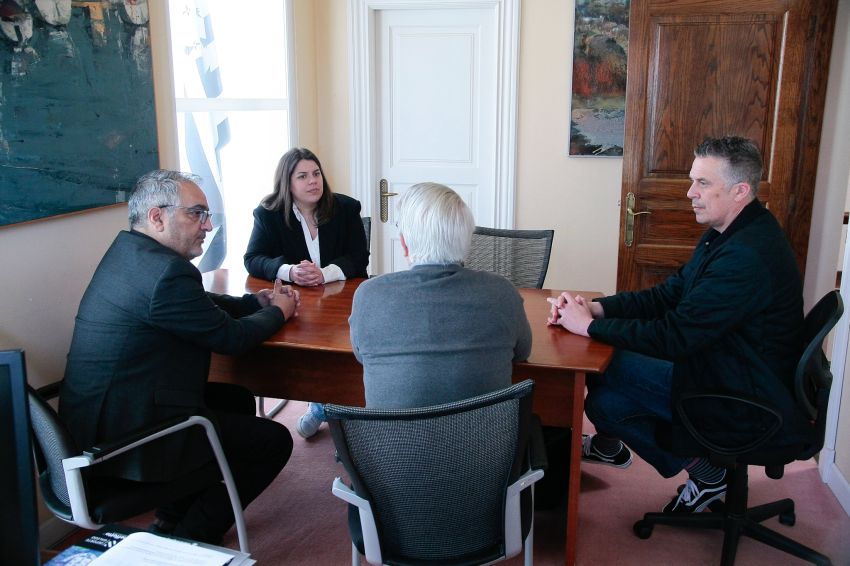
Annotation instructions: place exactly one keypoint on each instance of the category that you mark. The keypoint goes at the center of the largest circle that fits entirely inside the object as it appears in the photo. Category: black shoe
(622, 459)
(695, 496)
(162, 527)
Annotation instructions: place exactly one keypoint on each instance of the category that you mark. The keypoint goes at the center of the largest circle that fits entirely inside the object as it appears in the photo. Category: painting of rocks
(597, 117)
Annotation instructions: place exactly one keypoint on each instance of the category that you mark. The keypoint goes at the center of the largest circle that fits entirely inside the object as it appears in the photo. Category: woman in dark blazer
(303, 232)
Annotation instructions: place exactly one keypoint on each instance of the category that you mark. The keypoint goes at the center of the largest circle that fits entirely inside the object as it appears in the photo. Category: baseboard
(839, 486)
(52, 531)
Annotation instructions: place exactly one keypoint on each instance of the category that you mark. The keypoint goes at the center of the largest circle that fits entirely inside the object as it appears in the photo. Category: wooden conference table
(310, 359)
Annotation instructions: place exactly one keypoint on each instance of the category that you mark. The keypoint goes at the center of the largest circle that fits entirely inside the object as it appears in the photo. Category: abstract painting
(601, 42)
(77, 121)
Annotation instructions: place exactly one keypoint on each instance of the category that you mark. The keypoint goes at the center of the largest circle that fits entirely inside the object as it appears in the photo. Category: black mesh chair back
(813, 378)
(52, 443)
(436, 477)
(521, 256)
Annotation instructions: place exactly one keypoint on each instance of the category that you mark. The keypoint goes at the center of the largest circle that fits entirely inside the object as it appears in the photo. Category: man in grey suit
(140, 354)
(438, 332)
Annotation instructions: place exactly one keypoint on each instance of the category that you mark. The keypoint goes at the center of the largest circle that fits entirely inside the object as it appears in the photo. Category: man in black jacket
(140, 354)
(728, 320)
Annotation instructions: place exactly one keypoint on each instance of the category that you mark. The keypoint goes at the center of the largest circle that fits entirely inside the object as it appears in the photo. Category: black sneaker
(622, 459)
(696, 496)
(162, 527)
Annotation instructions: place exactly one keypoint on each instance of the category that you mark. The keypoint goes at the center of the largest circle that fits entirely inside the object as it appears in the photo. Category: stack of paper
(148, 549)
(121, 546)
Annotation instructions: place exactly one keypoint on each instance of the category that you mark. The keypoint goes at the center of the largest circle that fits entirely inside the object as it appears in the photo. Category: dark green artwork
(77, 122)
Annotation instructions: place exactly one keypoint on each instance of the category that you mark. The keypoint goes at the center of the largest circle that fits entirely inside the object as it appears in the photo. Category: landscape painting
(601, 42)
(77, 120)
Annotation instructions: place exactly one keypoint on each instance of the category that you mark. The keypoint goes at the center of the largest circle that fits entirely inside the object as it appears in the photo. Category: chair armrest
(737, 450)
(136, 438)
(367, 520)
(513, 511)
(49, 391)
(537, 459)
(97, 454)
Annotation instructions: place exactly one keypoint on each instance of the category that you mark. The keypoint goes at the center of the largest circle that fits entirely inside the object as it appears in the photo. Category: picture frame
(598, 102)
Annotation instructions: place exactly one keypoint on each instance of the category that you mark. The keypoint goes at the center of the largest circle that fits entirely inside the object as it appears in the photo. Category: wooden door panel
(695, 84)
(697, 69)
(657, 263)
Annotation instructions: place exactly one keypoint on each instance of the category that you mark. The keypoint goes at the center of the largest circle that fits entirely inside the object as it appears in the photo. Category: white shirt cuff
(283, 272)
(333, 273)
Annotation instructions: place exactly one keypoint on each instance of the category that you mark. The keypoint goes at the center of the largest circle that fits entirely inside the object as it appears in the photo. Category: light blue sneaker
(308, 424)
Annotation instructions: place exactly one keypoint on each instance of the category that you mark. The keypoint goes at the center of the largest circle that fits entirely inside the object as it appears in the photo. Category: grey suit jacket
(140, 353)
(435, 334)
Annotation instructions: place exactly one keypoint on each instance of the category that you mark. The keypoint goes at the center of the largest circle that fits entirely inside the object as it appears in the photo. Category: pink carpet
(297, 520)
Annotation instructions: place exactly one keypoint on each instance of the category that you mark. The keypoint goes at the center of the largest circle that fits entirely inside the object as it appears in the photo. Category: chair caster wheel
(788, 518)
(642, 529)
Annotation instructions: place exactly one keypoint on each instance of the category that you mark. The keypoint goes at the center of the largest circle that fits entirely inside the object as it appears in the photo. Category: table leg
(577, 419)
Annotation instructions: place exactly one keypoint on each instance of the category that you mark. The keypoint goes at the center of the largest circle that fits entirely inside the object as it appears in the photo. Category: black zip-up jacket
(730, 320)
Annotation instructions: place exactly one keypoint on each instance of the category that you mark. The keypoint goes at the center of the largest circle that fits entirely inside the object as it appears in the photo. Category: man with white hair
(438, 332)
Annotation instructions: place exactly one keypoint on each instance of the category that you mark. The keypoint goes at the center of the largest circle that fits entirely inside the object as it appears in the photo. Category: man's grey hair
(742, 156)
(157, 188)
(437, 225)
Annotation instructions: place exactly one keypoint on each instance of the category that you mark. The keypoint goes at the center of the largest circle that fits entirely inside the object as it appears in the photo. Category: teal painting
(77, 120)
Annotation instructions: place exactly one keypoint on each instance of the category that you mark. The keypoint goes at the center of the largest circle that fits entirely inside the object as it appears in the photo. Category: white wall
(831, 197)
(577, 196)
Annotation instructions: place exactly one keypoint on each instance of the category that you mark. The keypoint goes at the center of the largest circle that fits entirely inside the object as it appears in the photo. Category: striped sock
(606, 445)
(702, 470)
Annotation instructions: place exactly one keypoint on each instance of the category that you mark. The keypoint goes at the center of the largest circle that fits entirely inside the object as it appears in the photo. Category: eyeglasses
(199, 214)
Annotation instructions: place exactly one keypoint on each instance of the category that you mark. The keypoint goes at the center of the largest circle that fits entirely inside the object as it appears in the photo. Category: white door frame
(364, 133)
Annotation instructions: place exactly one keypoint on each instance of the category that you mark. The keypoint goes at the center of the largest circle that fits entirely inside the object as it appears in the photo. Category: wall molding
(838, 484)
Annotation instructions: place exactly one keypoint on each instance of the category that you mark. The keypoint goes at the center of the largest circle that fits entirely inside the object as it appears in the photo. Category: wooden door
(756, 69)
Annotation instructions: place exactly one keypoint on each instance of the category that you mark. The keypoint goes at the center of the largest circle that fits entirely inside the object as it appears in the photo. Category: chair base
(735, 525)
(261, 407)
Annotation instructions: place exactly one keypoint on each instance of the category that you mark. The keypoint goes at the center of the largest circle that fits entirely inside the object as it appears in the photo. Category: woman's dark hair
(281, 197)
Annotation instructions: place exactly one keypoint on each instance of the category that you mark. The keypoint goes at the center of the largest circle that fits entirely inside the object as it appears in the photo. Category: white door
(438, 105)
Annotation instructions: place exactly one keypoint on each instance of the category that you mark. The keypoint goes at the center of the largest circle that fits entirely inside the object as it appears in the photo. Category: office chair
(812, 382)
(90, 501)
(521, 256)
(440, 485)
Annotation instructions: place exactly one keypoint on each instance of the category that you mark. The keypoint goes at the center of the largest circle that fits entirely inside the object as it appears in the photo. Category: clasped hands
(284, 297)
(306, 274)
(573, 313)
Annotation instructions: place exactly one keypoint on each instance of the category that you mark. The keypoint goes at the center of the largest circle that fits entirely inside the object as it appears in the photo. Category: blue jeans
(317, 410)
(629, 400)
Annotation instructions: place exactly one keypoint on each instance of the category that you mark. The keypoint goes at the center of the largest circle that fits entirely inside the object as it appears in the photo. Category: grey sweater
(435, 334)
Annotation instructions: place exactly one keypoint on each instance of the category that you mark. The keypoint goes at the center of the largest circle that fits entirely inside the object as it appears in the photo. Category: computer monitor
(18, 512)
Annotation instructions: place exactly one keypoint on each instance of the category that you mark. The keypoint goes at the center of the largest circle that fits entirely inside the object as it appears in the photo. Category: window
(235, 118)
